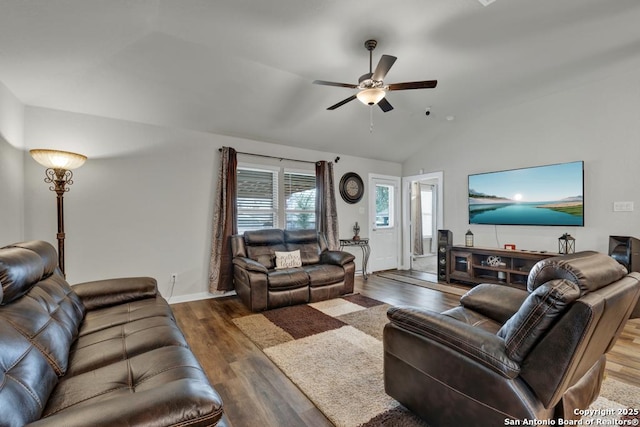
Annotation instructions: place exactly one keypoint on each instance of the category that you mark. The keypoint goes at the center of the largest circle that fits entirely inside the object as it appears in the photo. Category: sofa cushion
(45, 250)
(262, 244)
(536, 316)
(306, 241)
(49, 316)
(324, 274)
(165, 386)
(289, 278)
(589, 270)
(288, 260)
(26, 378)
(107, 346)
(20, 269)
(96, 320)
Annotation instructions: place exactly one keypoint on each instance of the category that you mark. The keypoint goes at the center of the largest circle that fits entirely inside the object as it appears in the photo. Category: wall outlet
(623, 206)
(174, 277)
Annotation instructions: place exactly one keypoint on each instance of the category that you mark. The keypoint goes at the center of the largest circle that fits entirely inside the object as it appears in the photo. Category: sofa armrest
(336, 257)
(477, 344)
(249, 264)
(497, 302)
(104, 293)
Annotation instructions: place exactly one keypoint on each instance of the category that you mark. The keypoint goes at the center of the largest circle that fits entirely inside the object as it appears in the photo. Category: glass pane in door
(384, 206)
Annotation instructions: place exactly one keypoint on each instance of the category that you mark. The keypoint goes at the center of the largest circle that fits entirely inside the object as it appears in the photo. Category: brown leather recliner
(324, 274)
(508, 354)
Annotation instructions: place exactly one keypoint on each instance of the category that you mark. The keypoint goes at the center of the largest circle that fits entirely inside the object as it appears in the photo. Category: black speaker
(625, 250)
(445, 240)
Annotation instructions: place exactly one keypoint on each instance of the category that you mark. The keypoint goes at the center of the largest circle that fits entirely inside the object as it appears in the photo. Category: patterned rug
(332, 350)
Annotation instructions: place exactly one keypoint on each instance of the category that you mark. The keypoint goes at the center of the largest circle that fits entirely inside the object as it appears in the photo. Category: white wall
(11, 167)
(142, 203)
(597, 122)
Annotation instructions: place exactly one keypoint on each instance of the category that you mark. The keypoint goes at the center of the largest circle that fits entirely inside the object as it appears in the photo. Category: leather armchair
(511, 354)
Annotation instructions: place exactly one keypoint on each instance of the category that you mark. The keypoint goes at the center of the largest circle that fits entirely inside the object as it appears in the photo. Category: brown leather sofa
(104, 353)
(507, 354)
(324, 274)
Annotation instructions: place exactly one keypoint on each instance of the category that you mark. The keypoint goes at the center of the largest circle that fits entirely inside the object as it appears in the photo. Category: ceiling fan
(372, 89)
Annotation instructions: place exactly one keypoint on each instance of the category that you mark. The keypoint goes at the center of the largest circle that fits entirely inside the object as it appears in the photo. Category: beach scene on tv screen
(542, 195)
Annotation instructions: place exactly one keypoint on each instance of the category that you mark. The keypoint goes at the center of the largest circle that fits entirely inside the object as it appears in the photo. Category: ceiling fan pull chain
(371, 119)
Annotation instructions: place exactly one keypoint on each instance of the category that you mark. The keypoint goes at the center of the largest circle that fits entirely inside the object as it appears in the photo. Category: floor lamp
(59, 165)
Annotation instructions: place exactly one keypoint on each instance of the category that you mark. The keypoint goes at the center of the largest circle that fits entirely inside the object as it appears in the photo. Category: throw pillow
(288, 259)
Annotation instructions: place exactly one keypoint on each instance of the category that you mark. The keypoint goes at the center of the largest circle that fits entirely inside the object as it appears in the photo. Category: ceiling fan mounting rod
(370, 45)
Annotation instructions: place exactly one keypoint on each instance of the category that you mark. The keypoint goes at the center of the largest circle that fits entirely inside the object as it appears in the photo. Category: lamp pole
(58, 173)
(60, 179)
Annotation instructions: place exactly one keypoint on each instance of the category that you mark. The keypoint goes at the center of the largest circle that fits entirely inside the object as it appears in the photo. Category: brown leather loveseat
(104, 353)
(323, 274)
(506, 355)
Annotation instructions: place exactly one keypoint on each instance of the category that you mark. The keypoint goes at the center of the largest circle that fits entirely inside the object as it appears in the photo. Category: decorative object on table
(351, 187)
(59, 165)
(356, 231)
(468, 239)
(494, 260)
(566, 244)
(510, 246)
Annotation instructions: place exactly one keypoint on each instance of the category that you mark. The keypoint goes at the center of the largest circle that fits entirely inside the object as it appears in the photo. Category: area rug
(423, 283)
(332, 350)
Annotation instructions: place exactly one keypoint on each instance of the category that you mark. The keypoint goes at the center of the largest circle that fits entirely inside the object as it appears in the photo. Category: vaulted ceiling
(244, 67)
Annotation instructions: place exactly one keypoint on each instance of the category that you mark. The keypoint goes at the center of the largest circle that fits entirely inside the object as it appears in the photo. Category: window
(257, 199)
(426, 198)
(300, 200)
(384, 207)
(275, 198)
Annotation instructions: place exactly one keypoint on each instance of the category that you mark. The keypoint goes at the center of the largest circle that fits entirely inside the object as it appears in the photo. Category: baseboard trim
(199, 296)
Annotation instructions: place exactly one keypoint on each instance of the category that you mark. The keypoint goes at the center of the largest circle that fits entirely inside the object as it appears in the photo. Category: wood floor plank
(255, 392)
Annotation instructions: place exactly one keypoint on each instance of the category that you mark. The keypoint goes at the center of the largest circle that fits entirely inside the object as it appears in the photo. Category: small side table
(363, 243)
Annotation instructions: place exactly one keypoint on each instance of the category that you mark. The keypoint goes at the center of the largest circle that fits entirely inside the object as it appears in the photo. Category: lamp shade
(371, 96)
(57, 159)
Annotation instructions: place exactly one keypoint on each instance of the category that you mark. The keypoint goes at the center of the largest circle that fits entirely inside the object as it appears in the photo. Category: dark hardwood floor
(256, 393)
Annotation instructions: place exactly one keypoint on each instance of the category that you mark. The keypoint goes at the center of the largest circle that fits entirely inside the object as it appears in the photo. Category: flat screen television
(540, 195)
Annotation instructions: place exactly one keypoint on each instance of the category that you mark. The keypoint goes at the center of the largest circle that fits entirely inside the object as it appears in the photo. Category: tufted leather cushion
(19, 270)
(46, 251)
(324, 274)
(167, 381)
(49, 317)
(306, 241)
(110, 345)
(26, 378)
(589, 270)
(536, 315)
(99, 319)
(289, 278)
(43, 307)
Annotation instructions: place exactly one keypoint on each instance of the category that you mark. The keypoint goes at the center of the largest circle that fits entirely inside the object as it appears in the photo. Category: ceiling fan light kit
(372, 90)
(371, 96)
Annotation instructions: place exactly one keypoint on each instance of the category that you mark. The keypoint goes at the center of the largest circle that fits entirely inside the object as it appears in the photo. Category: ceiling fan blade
(427, 84)
(384, 105)
(341, 103)
(322, 82)
(383, 67)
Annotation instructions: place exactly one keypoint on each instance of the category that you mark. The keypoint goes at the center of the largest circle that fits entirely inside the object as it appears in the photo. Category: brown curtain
(326, 215)
(225, 214)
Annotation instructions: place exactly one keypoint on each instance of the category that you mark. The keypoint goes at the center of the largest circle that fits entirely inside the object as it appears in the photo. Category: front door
(384, 227)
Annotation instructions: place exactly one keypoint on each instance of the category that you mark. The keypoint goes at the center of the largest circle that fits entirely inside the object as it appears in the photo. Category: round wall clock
(351, 187)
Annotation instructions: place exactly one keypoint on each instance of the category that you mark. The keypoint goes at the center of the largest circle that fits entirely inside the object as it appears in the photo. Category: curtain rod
(280, 158)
